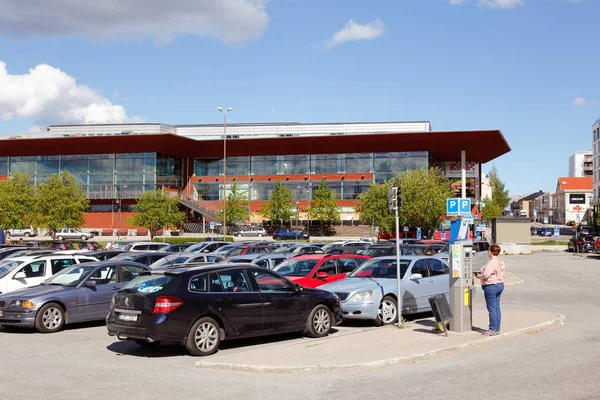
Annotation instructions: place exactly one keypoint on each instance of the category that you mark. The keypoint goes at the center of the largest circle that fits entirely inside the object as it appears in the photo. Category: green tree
(373, 207)
(60, 203)
(494, 207)
(424, 194)
(279, 208)
(17, 201)
(323, 206)
(155, 210)
(237, 207)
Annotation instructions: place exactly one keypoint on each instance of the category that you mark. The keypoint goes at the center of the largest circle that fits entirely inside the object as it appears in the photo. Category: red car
(312, 270)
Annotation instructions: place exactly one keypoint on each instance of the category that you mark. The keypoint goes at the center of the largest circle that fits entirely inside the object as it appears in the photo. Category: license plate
(128, 317)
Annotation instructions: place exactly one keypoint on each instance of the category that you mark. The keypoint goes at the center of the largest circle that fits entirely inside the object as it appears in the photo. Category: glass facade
(104, 176)
(385, 164)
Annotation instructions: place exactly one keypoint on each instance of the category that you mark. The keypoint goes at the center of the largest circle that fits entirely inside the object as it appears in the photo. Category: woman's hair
(495, 249)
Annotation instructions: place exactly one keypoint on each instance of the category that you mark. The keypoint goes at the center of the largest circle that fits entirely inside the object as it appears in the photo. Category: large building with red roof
(572, 200)
(116, 163)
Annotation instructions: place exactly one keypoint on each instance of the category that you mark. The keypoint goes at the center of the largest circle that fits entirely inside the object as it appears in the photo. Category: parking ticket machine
(461, 286)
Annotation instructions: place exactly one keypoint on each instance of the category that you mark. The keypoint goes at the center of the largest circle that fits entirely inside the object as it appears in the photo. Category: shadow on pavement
(70, 327)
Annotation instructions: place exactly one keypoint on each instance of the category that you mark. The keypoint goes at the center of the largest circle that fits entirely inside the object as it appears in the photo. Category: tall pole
(224, 169)
(119, 213)
(398, 269)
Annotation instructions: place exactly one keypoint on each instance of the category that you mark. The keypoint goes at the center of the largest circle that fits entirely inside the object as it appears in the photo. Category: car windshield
(197, 247)
(169, 261)
(7, 266)
(296, 267)
(71, 276)
(224, 250)
(378, 252)
(380, 269)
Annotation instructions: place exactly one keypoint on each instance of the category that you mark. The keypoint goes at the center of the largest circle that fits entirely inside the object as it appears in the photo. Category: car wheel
(277, 237)
(239, 235)
(204, 337)
(146, 344)
(83, 237)
(50, 318)
(60, 238)
(319, 320)
(387, 313)
(260, 235)
(27, 234)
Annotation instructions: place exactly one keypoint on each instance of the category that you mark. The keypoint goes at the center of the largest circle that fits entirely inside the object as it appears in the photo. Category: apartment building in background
(596, 160)
(581, 164)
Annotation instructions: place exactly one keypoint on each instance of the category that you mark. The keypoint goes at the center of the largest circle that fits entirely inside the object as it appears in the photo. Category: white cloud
(501, 3)
(583, 102)
(232, 21)
(353, 31)
(50, 96)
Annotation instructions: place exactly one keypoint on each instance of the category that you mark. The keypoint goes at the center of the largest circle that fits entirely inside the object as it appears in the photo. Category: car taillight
(165, 304)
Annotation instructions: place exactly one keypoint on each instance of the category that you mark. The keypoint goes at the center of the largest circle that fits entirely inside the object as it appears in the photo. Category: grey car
(82, 292)
(255, 231)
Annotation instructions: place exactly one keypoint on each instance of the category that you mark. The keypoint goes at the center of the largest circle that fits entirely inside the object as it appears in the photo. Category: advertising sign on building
(454, 170)
(576, 198)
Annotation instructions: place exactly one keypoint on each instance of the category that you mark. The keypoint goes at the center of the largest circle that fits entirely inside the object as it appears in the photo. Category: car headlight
(22, 304)
(361, 297)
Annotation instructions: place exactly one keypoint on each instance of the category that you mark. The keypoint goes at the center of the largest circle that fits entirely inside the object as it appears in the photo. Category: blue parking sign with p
(458, 206)
(556, 231)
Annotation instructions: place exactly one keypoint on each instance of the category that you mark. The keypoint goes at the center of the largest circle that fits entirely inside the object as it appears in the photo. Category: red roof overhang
(480, 146)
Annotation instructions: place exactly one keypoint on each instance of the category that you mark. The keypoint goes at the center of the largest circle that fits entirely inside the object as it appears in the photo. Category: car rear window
(152, 283)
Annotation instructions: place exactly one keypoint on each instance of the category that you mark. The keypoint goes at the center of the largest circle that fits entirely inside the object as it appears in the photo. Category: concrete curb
(414, 358)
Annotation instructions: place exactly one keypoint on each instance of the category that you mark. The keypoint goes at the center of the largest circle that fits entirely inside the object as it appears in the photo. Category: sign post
(394, 203)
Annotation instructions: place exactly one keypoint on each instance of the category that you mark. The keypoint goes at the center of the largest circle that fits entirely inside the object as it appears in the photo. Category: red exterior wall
(106, 220)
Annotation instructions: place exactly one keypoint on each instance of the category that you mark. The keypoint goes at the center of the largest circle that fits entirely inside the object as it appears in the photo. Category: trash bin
(440, 307)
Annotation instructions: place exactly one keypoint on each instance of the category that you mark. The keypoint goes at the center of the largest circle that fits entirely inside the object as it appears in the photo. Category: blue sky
(527, 67)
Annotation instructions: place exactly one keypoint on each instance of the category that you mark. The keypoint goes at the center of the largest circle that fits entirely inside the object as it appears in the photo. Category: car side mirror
(298, 288)
(90, 284)
(322, 275)
(416, 277)
(20, 275)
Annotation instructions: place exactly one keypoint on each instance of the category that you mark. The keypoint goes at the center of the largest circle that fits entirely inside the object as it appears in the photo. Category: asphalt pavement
(557, 363)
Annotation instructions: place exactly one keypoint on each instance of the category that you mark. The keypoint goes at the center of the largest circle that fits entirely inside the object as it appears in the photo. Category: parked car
(237, 250)
(62, 245)
(81, 292)
(312, 270)
(7, 252)
(545, 231)
(145, 246)
(289, 234)
(145, 258)
(270, 260)
(347, 249)
(92, 246)
(102, 255)
(200, 306)
(176, 259)
(71, 233)
(581, 243)
(26, 232)
(301, 249)
(177, 248)
(208, 246)
(22, 272)
(256, 231)
(381, 250)
(370, 292)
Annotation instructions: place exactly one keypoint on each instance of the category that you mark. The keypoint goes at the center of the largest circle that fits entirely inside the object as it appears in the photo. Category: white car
(22, 272)
(145, 246)
(27, 232)
(71, 233)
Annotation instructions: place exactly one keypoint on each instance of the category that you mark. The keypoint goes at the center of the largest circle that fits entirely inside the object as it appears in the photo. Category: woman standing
(492, 283)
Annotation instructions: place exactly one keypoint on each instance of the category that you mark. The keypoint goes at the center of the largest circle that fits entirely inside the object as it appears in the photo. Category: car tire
(50, 318)
(239, 235)
(146, 344)
(60, 238)
(27, 234)
(387, 313)
(204, 337)
(83, 237)
(319, 322)
(260, 235)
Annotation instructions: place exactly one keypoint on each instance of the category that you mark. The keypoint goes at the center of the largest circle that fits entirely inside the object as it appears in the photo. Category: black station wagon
(199, 306)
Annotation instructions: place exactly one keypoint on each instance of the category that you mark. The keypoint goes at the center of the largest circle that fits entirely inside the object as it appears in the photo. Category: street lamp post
(224, 169)
(297, 214)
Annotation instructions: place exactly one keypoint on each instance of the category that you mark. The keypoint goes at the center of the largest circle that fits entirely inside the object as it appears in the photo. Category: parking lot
(84, 362)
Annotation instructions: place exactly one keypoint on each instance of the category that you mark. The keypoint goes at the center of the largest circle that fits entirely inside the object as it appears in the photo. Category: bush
(181, 240)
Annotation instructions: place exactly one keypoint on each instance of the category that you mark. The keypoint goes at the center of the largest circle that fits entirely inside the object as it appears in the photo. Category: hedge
(181, 240)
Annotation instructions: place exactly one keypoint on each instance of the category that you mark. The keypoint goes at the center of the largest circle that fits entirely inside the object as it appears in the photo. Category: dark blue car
(289, 234)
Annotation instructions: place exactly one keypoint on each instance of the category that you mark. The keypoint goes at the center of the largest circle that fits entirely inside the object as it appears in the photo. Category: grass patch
(550, 243)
